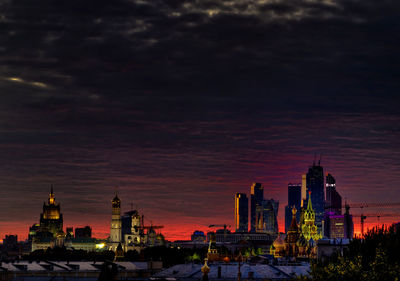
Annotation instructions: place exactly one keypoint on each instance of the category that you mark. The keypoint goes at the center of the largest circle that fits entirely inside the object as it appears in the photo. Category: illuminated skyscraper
(333, 198)
(241, 212)
(256, 198)
(294, 199)
(315, 184)
(51, 220)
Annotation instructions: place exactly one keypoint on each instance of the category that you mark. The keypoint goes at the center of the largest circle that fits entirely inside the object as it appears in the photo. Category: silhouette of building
(270, 216)
(294, 199)
(315, 184)
(241, 212)
(333, 199)
(198, 236)
(81, 232)
(256, 198)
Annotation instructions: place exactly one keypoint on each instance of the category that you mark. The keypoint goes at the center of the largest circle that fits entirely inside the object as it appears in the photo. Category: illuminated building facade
(340, 226)
(51, 220)
(241, 212)
(294, 244)
(256, 198)
(315, 185)
(136, 235)
(307, 223)
(294, 199)
(48, 233)
(115, 230)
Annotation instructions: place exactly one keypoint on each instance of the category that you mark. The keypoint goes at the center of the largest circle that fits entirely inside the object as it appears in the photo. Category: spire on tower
(51, 196)
(309, 205)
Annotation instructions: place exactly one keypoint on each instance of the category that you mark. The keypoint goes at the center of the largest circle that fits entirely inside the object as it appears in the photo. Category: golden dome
(278, 243)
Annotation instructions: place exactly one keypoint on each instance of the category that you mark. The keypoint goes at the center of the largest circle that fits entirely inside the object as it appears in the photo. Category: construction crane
(363, 216)
(221, 225)
(148, 227)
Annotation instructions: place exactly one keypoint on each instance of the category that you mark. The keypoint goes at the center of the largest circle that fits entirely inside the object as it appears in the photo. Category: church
(127, 232)
(300, 241)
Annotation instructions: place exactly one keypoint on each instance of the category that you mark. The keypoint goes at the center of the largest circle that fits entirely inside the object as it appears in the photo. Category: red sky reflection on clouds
(189, 183)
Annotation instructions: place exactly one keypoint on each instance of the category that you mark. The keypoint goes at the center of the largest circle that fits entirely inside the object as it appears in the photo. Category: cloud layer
(183, 103)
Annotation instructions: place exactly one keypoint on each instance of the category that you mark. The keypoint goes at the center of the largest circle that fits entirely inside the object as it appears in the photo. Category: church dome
(278, 243)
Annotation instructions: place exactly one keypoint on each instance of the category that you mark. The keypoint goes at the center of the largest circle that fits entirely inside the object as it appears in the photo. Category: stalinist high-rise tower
(115, 231)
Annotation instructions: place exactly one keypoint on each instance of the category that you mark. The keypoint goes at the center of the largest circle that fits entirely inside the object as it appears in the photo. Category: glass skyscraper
(333, 198)
(270, 215)
(294, 199)
(315, 184)
(241, 212)
(256, 199)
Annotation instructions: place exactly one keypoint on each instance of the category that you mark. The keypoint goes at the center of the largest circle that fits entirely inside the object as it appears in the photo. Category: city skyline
(182, 104)
(281, 216)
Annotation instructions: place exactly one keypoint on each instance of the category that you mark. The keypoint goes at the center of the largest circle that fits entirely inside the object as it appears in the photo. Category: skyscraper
(256, 198)
(303, 191)
(294, 199)
(315, 184)
(51, 220)
(333, 198)
(241, 212)
(270, 215)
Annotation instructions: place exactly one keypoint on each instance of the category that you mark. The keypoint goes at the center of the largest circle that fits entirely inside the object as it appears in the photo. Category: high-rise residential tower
(315, 185)
(241, 212)
(294, 200)
(256, 198)
(333, 198)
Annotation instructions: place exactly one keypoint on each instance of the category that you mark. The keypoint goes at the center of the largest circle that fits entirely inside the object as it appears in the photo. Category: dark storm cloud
(193, 100)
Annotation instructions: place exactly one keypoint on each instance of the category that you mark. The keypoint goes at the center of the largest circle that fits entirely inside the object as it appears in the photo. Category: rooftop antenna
(315, 155)
(320, 157)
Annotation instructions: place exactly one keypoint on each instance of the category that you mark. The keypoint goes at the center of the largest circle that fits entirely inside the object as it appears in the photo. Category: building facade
(256, 198)
(241, 212)
(51, 220)
(333, 199)
(116, 227)
(270, 215)
(307, 223)
(315, 185)
(294, 199)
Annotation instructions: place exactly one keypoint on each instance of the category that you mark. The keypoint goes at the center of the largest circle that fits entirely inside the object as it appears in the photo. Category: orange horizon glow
(172, 232)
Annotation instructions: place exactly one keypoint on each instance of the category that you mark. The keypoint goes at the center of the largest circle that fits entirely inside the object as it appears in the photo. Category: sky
(178, 105)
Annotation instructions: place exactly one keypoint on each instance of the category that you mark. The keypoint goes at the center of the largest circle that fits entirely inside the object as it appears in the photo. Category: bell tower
(115, 231)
